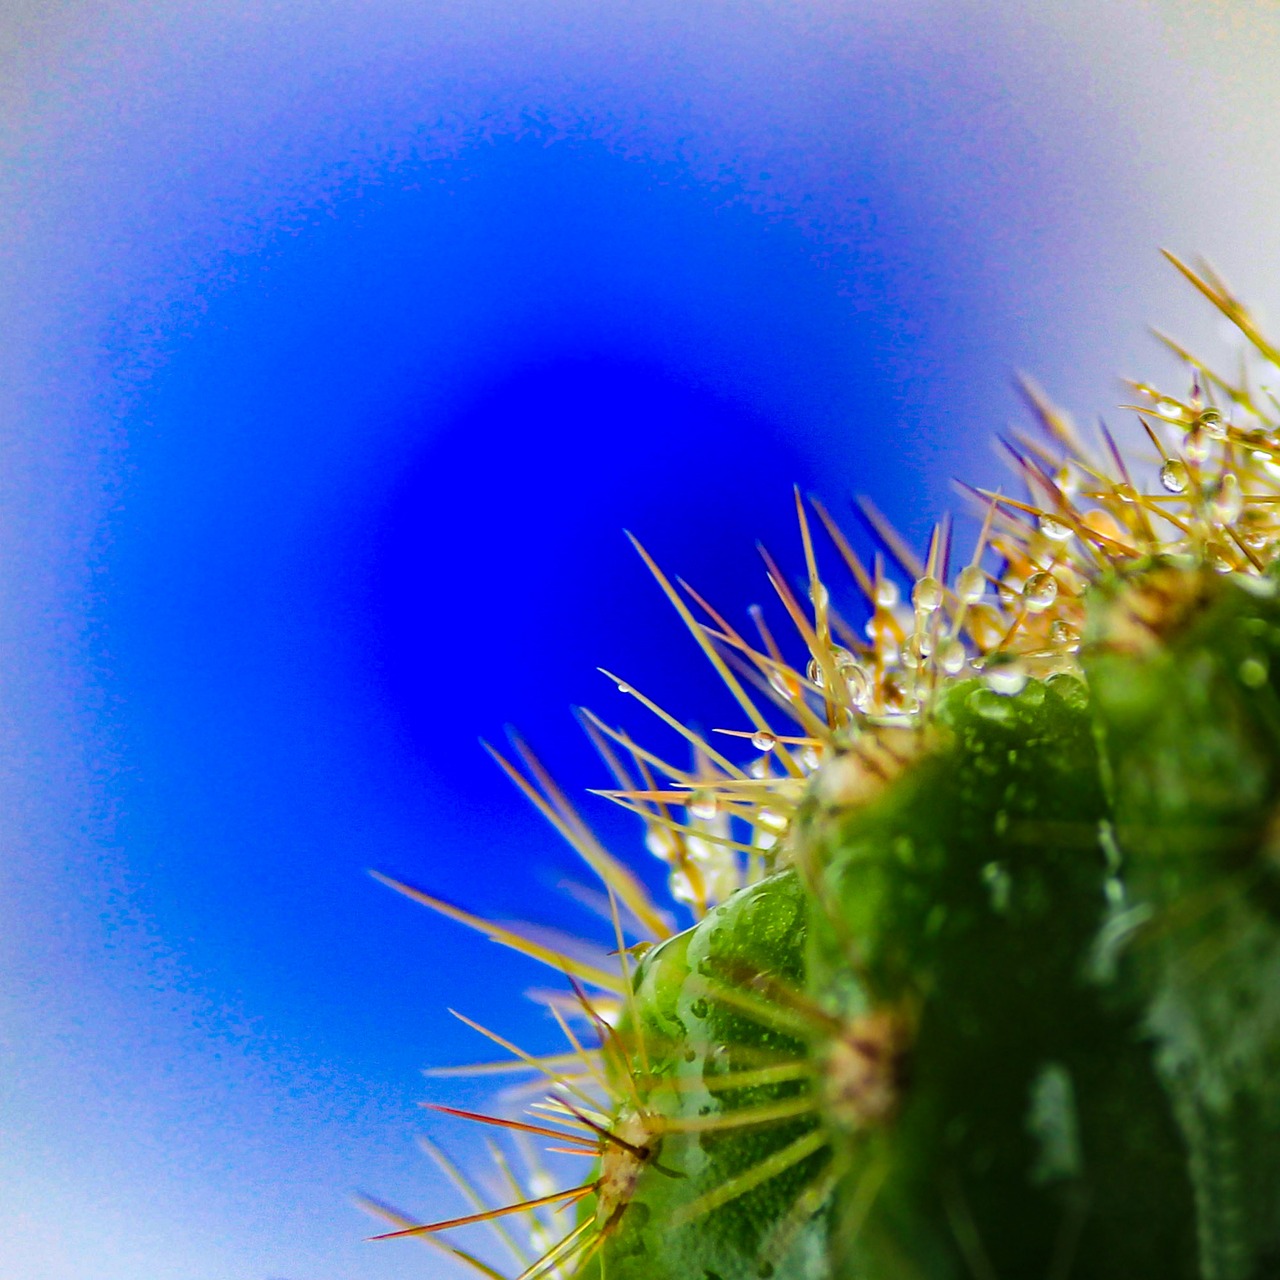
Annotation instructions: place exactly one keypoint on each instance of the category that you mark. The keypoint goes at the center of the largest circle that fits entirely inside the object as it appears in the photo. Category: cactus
(983, 979)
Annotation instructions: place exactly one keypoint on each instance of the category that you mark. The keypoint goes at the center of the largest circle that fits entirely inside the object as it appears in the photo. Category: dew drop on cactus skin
(887, 593)
(952, 657)
(1054, 530)
(1174, 476)
(703, 804)
(1040, 591)
(1064, 635)
(1006, 677)
(858, 684)
(1210, 422)
(971, 584)
(927, 595)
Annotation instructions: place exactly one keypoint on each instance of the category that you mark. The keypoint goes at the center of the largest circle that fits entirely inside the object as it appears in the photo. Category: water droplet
(1174, 476)
(1211, 423)
(888, 651)
(1067, 478)
(703, 804)
(624, 687)
(784, 682)
(662, 843)
(1197, 445)
(1170, 409)
(763, 741)
(819, 594)
(1040, 591)
(971, 584)
(920, 645)
(811, 758)
(952, 657)
(1065, 636)
(772, 819)
(1054, 530)
(1218, 557)
(927, 594)
(1006, 678)
(859, 686)
(887, 593)
(699, 1008)
(814, 673)
(1228, 501)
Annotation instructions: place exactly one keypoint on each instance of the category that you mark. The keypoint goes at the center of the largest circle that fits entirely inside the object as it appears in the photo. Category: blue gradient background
(340, 342)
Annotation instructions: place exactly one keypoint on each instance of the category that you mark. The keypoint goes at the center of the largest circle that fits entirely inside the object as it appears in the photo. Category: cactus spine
(984, 976)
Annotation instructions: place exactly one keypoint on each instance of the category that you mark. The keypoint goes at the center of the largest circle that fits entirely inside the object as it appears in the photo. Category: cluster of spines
(1012, 611)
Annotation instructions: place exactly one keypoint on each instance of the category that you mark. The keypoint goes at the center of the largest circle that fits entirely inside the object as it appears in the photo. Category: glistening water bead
(703, 805)
(1007, 678)
(858, 685)
(1064, 635)
(887, 593)
(1211, 423)
(1174, 475)
(927, 595)
(952, 657)
(971, 585)
(1040, 591)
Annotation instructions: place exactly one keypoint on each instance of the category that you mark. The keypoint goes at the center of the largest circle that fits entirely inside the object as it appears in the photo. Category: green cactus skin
(694, 1045)
(1190, 720)
(973, 890)
(968, 896)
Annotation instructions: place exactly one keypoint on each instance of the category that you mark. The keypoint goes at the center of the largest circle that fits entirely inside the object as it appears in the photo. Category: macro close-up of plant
(639, 641)
(983, 974)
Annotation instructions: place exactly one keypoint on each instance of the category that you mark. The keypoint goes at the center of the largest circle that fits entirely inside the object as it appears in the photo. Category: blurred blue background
(340, 343)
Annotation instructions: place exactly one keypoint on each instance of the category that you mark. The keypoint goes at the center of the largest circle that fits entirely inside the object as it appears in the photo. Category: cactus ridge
(983, 979)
